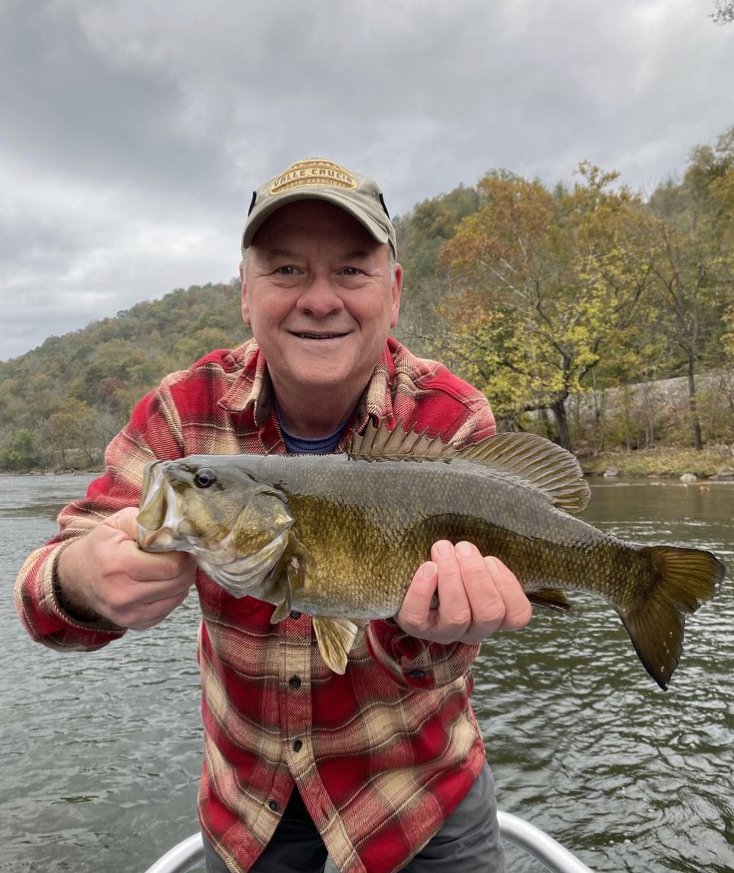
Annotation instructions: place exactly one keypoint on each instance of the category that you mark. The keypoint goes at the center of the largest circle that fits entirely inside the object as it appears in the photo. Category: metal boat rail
(538, 844)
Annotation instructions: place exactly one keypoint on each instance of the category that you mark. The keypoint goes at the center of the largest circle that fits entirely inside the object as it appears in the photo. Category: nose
(320, 297)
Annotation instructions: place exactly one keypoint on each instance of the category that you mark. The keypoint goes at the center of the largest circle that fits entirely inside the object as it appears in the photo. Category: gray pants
(469, 841)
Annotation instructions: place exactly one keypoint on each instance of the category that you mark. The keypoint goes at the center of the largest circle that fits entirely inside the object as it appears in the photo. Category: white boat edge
(513, 829)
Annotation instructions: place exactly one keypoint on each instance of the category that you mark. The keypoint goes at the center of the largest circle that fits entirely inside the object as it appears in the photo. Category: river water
(100, 752)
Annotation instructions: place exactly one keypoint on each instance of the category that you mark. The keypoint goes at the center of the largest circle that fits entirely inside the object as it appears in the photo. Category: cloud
(134, 132)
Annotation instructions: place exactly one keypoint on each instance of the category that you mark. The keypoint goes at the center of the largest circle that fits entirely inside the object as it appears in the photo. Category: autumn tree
(692, 242)
(421, 234)
(71, 434)
(543, 285)
(724, 12)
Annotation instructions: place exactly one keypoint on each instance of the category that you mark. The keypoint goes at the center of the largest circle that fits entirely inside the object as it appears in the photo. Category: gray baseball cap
(320, 179)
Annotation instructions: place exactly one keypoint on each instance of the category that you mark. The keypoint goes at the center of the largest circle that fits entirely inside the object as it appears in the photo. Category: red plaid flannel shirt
(381, 755)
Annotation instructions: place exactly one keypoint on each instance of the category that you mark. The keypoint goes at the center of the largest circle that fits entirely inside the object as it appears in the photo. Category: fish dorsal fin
(526, 456)
(539, 462)
(380, 443)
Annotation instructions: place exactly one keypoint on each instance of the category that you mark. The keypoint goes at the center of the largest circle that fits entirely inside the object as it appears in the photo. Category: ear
(397, 288)
(244, 305)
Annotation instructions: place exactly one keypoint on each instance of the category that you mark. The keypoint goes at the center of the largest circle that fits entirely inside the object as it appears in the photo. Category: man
(384, 766)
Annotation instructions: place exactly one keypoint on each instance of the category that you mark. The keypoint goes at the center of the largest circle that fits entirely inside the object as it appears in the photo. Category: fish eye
(204, 478)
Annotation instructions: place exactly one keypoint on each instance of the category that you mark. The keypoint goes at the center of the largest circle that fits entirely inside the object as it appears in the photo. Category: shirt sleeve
(41, 612)
(150, 433)
(414, 663)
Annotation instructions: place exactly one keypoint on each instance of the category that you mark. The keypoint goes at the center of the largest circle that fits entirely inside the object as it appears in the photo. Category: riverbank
(668, 462)
(664, 462)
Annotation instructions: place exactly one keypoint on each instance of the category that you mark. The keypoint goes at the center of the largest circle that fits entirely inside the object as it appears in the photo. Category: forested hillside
(560, 304)
(61, 403)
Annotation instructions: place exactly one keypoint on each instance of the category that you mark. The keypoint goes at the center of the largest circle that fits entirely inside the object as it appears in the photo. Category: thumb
(126, 521)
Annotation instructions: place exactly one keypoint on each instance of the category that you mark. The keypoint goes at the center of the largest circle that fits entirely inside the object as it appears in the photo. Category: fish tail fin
(683, 580)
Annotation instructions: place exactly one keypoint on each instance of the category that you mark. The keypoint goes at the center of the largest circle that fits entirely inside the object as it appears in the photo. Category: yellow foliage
(542, 285)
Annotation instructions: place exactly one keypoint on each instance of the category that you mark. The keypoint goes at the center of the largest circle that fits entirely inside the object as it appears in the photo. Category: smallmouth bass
(340, 536)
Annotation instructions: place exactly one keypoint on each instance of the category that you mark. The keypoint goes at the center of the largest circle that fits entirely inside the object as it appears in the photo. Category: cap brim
(256, 221)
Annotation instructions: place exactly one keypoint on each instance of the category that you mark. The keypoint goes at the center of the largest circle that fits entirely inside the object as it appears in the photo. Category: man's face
(320, 297)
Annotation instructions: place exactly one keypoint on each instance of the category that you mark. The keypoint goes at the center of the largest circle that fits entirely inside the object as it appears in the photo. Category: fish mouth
(157, 526)
(161, 528)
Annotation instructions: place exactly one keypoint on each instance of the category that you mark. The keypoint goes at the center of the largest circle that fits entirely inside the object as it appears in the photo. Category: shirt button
(294, 682)
(297, 746)
(273, 804)
(295, 613)
(417, 674)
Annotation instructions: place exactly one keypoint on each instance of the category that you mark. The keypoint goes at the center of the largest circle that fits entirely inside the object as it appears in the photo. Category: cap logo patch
(313, 172)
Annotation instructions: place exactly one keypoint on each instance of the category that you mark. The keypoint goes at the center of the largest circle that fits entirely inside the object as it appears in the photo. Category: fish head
(214, 507)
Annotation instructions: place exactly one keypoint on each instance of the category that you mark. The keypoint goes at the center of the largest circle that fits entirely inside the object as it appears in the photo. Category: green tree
(20, 453)
(692, 238)
(724, 12)
(543, 284)
(421, 235)
(71, 434)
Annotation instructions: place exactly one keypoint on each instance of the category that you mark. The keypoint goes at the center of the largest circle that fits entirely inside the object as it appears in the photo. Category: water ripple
(101, 752)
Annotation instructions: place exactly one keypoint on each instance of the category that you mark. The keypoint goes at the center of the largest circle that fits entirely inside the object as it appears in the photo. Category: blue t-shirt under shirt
(296, 445)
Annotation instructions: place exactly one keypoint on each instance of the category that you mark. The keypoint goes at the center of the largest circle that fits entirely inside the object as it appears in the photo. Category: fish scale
(396, 533)
(340, 536)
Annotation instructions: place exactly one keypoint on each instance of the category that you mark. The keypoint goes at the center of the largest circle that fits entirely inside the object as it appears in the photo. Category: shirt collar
(252, 390)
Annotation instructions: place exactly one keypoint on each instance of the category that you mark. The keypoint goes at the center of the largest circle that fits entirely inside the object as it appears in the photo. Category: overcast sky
(132, 133)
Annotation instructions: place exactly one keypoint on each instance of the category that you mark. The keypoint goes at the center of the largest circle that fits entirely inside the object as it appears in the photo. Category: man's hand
(476, 597)
(105, 573)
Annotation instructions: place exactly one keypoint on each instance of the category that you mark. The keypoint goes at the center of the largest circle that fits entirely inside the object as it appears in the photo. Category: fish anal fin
(528, 457)
(682, 580)
(549, 598)
(335, 637)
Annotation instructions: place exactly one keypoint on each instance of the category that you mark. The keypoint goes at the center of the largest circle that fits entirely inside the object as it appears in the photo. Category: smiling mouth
(317, 336)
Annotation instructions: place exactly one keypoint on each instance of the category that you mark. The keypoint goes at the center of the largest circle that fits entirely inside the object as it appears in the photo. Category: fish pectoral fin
(293, 576)
(300, 557)
(335, 637)
(549, 598)
(282, 609)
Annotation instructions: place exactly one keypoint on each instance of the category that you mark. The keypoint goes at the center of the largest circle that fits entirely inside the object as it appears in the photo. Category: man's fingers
(415, 611)
(173, 567)
(150, 614)
(476, 596)
(518, 609)
(125, 520)
(107, 574)
(453, 603)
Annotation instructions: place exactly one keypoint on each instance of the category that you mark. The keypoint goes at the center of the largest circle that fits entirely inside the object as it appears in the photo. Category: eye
(205, 478)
